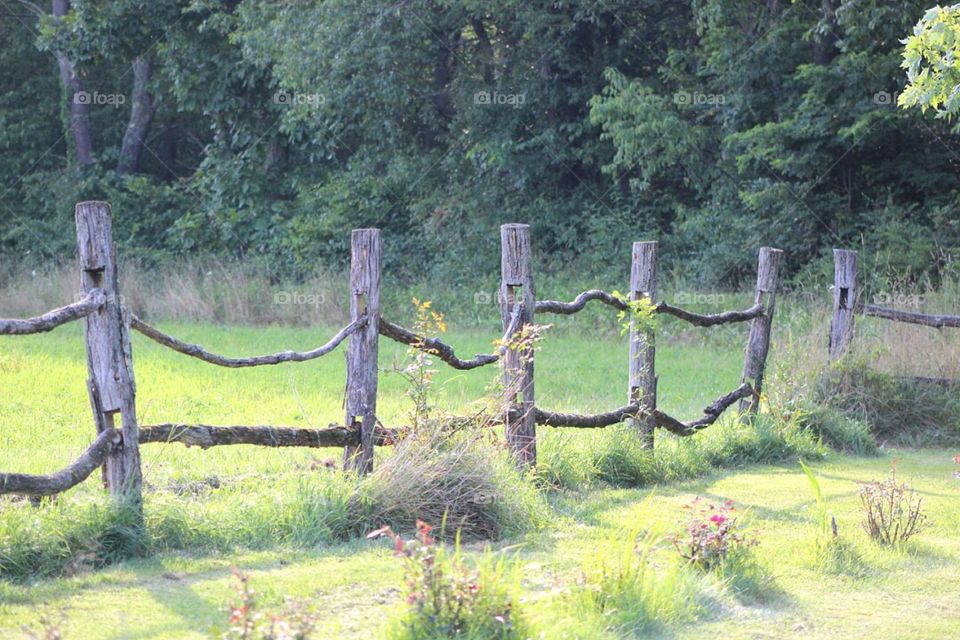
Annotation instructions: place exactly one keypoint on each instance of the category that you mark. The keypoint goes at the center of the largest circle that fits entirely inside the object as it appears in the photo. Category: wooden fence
(112, 390)
(847, 305)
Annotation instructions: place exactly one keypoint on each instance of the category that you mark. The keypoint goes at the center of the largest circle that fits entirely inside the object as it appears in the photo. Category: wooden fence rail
(847, 306)
(112, 390)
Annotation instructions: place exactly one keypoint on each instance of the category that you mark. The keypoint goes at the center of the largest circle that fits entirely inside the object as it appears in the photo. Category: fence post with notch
(845, 299)
(109, 357)
(517, 296)
(366, 263)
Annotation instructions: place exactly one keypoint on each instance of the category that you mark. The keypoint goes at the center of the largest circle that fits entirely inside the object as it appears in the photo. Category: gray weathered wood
(206, 436)
(758, 344)
(845, 298)
(698, 319)
(642, 381)
(661, 419)
(517, 290)
(196, 351)
(441, 349)
(109, 359)
(911, 317)
(74, 474)
(366, 262)
(53, 319)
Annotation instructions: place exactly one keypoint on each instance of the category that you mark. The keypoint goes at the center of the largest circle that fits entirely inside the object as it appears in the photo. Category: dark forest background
(265, 131)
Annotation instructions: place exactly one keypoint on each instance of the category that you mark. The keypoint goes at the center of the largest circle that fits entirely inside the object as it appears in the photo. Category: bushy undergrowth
(839, 431)
(899, 410)
(626, 593)
(463, 478)
(466, 479)
(616, 456)
(67, 537)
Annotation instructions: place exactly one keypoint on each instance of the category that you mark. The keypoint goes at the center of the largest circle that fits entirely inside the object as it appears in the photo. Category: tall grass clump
(626, 591)
(302, 510)
(900, 410)
(734, 441)
(66, 537)
(465, 478)
(831, 552)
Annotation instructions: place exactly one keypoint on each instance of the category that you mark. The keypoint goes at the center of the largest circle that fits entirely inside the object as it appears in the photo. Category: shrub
(839, 431)
(463, 478)
(247, 622)
(625, 593)
(447, 599)
(906, 411)
(713, 535)
(891, 510)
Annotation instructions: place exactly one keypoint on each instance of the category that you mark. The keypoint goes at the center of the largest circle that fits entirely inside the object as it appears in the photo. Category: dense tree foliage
(268, 129)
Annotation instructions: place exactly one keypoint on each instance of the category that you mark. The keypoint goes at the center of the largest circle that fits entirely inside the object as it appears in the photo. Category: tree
(932, 60)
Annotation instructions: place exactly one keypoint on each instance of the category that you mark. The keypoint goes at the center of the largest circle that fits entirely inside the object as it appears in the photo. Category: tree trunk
(79, 99)
(142, 108)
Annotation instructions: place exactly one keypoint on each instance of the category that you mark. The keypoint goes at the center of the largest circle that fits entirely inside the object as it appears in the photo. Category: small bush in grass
(839, 431)
(624, 592)
(464, 478)
(713, 535)
(715, 542)
(446, 598)
(891, 510)
(248, 622)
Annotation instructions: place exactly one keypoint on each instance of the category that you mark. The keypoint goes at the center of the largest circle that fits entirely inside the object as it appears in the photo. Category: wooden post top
(515, 254)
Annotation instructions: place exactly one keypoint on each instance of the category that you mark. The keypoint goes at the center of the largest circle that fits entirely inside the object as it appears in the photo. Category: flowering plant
(712, 534)
(446, 597)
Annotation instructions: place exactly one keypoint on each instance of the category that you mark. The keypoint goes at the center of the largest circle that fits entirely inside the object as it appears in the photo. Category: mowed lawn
(913, 592)
(909, 593)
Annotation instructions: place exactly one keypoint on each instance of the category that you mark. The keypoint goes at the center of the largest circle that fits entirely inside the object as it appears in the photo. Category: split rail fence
(108, 325)
(847, 305)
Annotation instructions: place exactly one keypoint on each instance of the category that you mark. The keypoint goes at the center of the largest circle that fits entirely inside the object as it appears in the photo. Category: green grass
(294, 525)
(906, 593)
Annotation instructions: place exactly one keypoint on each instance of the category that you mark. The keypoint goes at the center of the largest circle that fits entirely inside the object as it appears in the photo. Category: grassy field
(908, 593)
(273, 513)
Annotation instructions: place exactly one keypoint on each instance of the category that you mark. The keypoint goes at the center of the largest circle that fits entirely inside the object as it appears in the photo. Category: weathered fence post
(758, 344)
(516, 289)
(366, 262)
(845, 297)
(109, 358)
(642, 375)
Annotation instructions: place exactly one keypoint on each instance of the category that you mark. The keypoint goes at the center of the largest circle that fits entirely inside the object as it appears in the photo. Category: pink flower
(718, 519)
